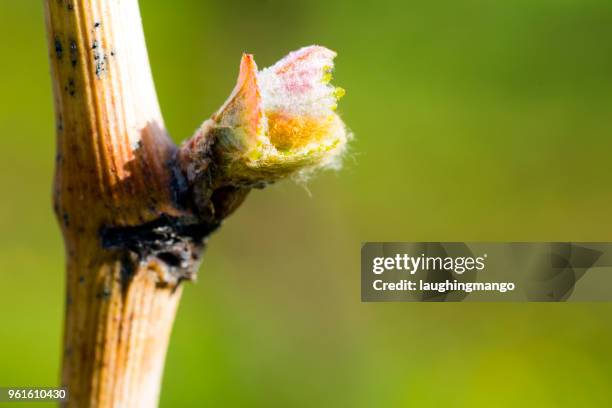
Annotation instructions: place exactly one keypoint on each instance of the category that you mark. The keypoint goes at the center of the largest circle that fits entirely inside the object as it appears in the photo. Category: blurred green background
(474, 120)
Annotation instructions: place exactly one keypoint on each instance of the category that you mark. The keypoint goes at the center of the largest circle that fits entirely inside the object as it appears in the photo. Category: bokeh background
(474, 120)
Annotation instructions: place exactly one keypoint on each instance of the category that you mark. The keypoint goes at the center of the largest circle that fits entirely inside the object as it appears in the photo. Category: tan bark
(112, 170)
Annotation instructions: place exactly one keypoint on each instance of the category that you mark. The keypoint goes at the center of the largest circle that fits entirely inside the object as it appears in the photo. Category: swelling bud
(278, 122)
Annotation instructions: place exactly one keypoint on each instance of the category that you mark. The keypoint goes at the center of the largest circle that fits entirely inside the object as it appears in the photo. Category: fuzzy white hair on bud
(281, 121)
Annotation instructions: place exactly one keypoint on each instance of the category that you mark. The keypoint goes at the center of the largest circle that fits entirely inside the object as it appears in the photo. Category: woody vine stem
(135, 210)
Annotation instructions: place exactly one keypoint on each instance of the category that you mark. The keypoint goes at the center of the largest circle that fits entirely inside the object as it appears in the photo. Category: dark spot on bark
(128, 268)
(68, 300)
(59, 50)
(81, 279)
(70, 6)
(71, 87)
(100, 60)
(74, 53)
(94, 45)
(60, 123)
(170, 240)
(104, 294)
(58, 158)
(66, 219)
(178, 184)
(96, 24)
(171, 259)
